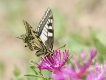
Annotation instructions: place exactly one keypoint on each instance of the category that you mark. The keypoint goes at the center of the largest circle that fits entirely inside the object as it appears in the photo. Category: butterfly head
(28, 40)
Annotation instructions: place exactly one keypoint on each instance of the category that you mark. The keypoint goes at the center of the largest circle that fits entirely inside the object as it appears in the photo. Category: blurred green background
(80, 24)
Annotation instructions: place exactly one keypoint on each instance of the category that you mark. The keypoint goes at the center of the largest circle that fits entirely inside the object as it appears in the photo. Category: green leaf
(32, 66)
(32, 75)
(36, 76)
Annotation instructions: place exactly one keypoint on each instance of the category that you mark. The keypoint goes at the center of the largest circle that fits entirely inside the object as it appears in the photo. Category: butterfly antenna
(62, 47)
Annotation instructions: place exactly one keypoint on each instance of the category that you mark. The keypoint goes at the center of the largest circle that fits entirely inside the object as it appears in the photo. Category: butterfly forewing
(46, 29)
(43, 22)
(50, 34)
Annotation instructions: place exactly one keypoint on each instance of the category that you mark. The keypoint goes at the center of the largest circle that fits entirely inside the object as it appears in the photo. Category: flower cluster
(61, 71)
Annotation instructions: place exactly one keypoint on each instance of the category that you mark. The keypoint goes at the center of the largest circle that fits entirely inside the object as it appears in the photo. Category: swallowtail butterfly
(42, 38)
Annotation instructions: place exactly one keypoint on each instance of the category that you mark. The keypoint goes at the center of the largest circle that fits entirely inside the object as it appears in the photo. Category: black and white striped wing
(46, 30)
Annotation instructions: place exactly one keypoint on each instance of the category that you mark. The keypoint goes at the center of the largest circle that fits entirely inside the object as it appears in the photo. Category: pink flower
(99, 74)
(62, 74)
(78, 71)
(55, 64)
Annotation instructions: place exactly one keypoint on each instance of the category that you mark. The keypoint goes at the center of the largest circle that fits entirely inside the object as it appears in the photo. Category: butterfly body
(42, 38)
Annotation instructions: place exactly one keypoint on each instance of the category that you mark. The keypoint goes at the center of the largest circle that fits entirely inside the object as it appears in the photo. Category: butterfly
(42, 38)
